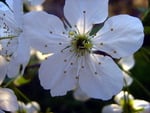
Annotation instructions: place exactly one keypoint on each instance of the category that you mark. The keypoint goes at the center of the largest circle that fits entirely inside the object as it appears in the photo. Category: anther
(95, 73)
(60, 43)
(65, 72)
(46, 45)
(77, 77)
(111, 29)
(82, 67)
(99, 63)
(114, 51)
(101, 43)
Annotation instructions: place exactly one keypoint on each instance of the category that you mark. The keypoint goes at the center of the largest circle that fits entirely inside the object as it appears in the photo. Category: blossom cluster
(78, 59)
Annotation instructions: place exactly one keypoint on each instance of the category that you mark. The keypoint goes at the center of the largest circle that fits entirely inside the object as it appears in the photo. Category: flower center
(81, 43)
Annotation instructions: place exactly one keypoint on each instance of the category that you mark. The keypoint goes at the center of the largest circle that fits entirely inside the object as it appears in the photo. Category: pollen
(81, 44)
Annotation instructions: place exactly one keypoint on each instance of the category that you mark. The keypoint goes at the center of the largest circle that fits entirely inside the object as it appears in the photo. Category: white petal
(127, 63)
(121, 96)
(18, 12)
(2, 111)
(142, 104)
(113, 108)
(33, 107)
(101, 78)
(120, 36)
(3, 7)
(80, 95)
(96, 12)
(13, 69)
(127, 79)
(3, 69)
(46, 37)
(19, 59)
(10, 4)
(22, 106)
(34, 2)
(58, 73)
(8, 100)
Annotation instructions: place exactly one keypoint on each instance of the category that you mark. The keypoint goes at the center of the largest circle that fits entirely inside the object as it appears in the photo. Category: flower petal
(20, 58)
(58, 73)
(3, 7)
(127, 63)
(113, 108)
(85, 13)
(80, 95)
(3, 69)
(13, 69)
(120, 36)
(33, 107)
(127, 79)
(34, 2)
(18, 12)
(2, 111)
(46, 37)
(10, 4)
(142, 104)
(101, 78)
(122, 96)
(8, 100)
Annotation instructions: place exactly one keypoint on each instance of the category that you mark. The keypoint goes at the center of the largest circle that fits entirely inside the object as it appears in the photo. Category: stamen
(114, 51)
(77, 77)
(95, 73)
(84, 19)
(101, 43)
(45, 45)
(65, 60)
(60, 43)
(65, 72)
(99, 63)
(71, 63)
(111, 29)
(82, 67)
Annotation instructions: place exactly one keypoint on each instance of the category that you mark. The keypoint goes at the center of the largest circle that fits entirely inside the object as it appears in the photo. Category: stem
(21, 94)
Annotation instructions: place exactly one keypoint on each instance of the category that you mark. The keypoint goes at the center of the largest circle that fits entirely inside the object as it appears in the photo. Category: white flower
(127, 63)
(14, 49)
(8, 100)
(31, 107)
(123, 100)
(74, 62)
